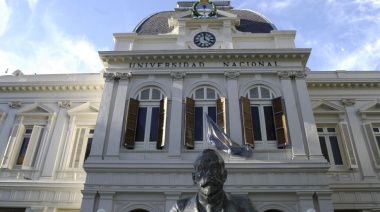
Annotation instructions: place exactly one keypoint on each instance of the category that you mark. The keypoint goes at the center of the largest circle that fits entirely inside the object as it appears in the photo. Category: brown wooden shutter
(131, 120)
(280, 122)
(162, 123)
(221, 113)
(247, 121)
(189, 123)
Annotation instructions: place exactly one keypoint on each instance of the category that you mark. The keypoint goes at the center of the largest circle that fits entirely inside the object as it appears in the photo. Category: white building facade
(127, 142)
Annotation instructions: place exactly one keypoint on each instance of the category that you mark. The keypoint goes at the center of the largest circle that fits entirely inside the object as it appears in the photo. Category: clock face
(204, 39)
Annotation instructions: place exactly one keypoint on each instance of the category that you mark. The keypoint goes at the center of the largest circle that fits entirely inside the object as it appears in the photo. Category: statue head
(209, 174)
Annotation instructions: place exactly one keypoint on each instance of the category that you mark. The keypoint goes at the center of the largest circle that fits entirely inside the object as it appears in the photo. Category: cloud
(32, 4)
(5, 14)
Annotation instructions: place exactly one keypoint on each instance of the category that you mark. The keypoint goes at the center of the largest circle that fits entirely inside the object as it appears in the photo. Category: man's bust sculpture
(209, 175)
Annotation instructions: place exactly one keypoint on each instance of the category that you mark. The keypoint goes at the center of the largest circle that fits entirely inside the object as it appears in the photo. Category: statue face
(209, 175)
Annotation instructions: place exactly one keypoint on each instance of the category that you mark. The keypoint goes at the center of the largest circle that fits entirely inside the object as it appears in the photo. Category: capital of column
(116, 76)
(348, 102)
(232, 75)
(15, 105)
(292, 74)
(64, 104)
(178, 75)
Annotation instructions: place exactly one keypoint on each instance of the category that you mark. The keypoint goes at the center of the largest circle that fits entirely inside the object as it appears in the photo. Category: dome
(250, 21)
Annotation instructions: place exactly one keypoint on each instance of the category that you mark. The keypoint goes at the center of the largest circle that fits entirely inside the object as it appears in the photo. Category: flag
(217, 138)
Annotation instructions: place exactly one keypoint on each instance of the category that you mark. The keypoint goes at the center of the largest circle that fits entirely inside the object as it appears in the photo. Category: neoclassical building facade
(126, 139)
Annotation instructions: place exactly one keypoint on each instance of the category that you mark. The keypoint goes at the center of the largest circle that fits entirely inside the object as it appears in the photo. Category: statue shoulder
(183, 204)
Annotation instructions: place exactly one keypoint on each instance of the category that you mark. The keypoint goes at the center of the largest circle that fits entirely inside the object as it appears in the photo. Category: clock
(204, 39)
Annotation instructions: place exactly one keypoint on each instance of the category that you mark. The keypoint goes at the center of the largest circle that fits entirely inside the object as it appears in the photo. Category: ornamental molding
(178, 75)
(232, 75)
(348, 102)
(64, 104)
(116, 76)
(52, 88)
(339, 85)
(292, 74)
(15, 105)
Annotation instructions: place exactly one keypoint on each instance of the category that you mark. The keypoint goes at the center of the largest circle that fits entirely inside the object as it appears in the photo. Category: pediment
(36, 109)
(325, 107)
(371, 108)
(84, 109)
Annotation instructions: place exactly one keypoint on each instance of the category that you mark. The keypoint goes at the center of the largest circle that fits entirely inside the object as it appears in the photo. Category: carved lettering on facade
(226, 64)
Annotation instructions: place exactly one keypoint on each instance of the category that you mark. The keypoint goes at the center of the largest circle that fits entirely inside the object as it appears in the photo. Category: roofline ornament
(205, 4)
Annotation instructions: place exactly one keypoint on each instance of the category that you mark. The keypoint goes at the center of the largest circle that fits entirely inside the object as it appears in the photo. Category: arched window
(263, 115)
(146, 120)
(202, 100)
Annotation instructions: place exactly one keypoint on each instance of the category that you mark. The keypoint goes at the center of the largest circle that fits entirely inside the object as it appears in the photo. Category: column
(88, 201)
(116, 129)
(106, 201)
(293, 119)
(171, 199)
(53, 148)
(102, 121)
(8, 125)
(325, 201)
(363, 156)
(175, 136)
(235, 128)
(309, 125)
(306, 200)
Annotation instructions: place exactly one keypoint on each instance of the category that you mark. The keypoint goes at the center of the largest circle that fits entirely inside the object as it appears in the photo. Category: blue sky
(63, 36)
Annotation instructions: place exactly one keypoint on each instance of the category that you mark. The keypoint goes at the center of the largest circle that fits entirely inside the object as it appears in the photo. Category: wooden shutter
(162, 123)
(372, 143)
(14, 140)
(32, 148)
(280, 122)
(189, 123)
(221, 113)
(77, 150)
(348, 146)
(247, 121)
(131, 120)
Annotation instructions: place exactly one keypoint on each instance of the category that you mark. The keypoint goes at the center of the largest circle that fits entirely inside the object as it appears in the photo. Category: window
(202, 100)
(263, 119)
(81, 146)
(376, 132)
(330, 145)
(373, 135)
(146, 120)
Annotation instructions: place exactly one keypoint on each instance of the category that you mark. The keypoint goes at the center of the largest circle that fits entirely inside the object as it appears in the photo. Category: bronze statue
(209, 176)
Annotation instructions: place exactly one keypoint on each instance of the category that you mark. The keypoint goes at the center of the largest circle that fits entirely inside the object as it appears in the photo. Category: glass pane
(145, 94)
(325, 153)
(210, 93)
(254, 93)
(319, 129)
(269, 121)
(376, 130)
(265, 94)
(256, 123)
(154, 124)
(88, 148)
(140, 128)
(29, 131)
(156, 95)
(21, 155)
(199, 94)
(92, 131)
(330, 129)
(335, 148)
(198, 124)
(378, 141)
(212, 113)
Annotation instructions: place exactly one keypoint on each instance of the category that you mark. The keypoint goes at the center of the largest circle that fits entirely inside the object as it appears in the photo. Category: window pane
(212, 113)
(378, 141)
(88, 148)
(199, 94)
(145, 94)
(92, 131)
(22, 153)
(265, 94)
(156, 95)
(330, 129)
(198, 124)
(269, 121)
(325, 153)
(154, 124)
(319, 129)
(210, 93)
(256, 123)
(28, 131)
(335, 148)
(376, 129)
(254, 93)
(140, 128)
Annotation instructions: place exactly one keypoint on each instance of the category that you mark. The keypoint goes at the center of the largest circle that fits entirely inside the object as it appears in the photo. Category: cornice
(343, 84)
(50, 88)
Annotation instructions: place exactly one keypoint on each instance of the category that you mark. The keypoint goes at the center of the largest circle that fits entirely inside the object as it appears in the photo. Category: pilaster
(325, 201)
(171, 199)
(106, 200)
(175, 136)
(7, 128)
(306, 200)
(116, 128)
(88, 201)
(233, 106)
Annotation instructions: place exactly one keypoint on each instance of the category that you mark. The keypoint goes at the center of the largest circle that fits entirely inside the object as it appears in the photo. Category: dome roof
(250, 21)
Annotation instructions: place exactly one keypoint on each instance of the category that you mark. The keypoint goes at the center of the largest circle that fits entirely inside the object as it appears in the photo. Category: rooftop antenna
(6, 71)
